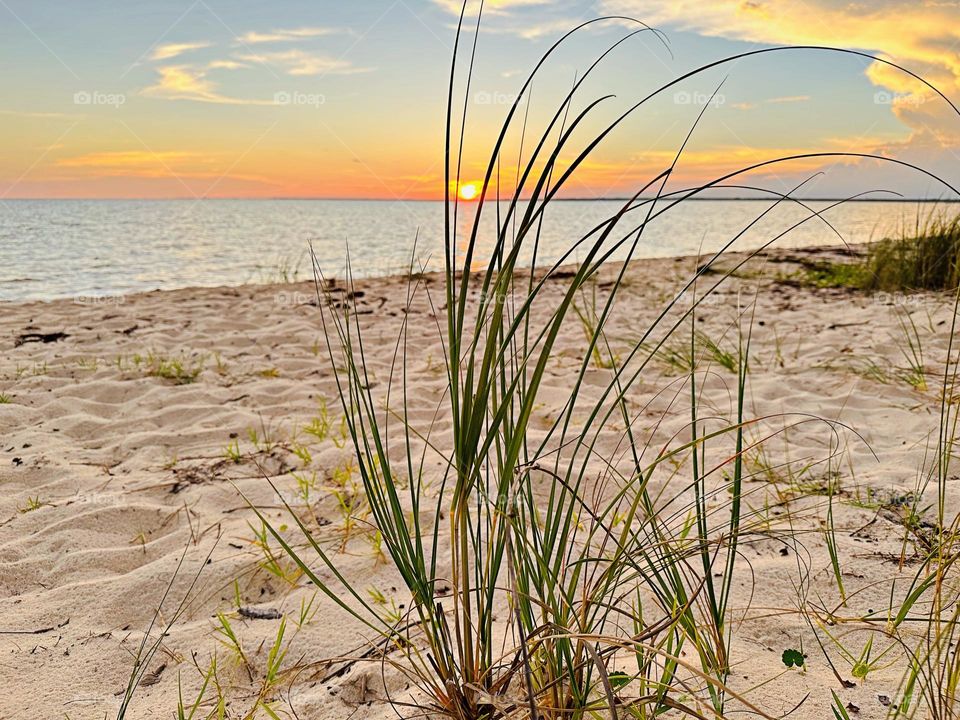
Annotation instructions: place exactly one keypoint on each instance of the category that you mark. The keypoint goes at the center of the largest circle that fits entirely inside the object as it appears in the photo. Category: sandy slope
(108, 472)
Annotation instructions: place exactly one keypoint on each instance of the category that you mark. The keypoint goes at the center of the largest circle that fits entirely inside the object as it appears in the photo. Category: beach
(136, 428)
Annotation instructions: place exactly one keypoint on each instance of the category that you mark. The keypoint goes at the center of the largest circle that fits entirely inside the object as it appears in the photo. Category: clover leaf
(792, 657)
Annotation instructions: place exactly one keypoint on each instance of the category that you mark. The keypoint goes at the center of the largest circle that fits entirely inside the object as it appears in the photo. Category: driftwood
(258, 614)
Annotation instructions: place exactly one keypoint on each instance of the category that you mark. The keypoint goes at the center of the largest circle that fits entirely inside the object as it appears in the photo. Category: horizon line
(321, 198)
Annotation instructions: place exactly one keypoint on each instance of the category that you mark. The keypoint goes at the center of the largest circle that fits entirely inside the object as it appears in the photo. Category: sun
(469, 191)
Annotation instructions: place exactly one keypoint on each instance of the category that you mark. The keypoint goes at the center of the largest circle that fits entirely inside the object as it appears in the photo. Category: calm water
(64, 248)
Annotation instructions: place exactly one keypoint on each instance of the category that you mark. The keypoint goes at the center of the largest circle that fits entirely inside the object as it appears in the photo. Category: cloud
(37, 115)
(137, 163)
(172, 50)
(508, 17)
(176, 165)
(535, 30)
(920, 35)
(494, 7)
(184, 82)
(301, 62)
(771, 101)
(253, 37)
(226, 65)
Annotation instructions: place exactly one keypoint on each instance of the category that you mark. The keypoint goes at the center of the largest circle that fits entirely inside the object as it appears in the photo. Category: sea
(101, 248)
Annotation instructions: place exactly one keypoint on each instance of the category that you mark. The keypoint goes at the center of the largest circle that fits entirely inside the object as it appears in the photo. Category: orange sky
(307, 99)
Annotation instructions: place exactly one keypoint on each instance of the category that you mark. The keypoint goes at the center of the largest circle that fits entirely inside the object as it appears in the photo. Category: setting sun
(469, 191)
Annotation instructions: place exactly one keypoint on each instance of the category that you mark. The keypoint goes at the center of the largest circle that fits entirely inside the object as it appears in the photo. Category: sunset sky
(316, 98)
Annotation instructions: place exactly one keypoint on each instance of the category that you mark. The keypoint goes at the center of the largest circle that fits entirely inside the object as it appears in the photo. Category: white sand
(127, 469)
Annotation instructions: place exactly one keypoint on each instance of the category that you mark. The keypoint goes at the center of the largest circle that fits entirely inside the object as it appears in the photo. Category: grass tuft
(925, 257)
(928, 258)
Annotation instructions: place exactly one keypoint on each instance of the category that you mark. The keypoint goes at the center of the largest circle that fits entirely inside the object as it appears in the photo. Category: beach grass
(921, 256)
(580, 569)
(547, 578)
(926, 257)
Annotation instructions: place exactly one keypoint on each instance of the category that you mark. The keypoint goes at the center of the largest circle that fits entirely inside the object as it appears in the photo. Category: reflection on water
(63, 248)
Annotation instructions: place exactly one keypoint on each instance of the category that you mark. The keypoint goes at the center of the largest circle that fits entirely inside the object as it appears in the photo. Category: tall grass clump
(927, 621)
(924, 258)
(578, 570)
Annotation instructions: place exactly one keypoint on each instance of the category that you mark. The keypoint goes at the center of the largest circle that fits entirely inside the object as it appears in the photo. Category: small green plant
(911, 347)
(830, 535)
(306, 485)
(825, 274)
(376, 544)
(227, 637)
(589, 322)
(232, 452)
(862, 664)
(726, 359)
(179, 370)
(220, 365)
(319, 425)
(308, 611)
(140, 539)
(33, 503)
(189, 712)
(265, 440)
(792, 658)
(303, 453)
(5, 399)
(279, 566)
(89, 364)
(391, 615)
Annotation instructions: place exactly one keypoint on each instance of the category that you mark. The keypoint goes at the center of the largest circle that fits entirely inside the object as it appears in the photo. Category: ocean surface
(94, 248)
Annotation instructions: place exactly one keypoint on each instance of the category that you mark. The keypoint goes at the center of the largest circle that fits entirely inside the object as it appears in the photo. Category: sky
(330, 99)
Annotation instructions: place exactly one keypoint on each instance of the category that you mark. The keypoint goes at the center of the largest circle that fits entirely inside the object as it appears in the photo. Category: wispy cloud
(147, 164)
(788, 99)
(772, 101)
(527, 19)
(494, 7)
(302, 62)
(172, 50)
(226, 65)
(138, 163)
(37, 115)
(254, 37)
(922, 36)
(184, 82)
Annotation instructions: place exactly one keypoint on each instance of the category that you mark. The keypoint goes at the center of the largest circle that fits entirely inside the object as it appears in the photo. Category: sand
(109, 471)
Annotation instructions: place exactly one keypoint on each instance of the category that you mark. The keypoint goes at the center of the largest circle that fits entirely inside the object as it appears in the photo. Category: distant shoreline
(929, 201)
